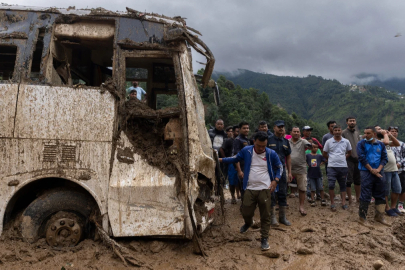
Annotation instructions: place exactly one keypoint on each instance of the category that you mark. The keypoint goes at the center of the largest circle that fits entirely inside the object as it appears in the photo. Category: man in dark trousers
(281, 146)
(372, 159)
(238, 144)
(262, 172)
(229, 169)
(353, 176)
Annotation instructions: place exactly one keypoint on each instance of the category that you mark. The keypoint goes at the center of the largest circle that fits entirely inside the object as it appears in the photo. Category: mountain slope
(321, 100)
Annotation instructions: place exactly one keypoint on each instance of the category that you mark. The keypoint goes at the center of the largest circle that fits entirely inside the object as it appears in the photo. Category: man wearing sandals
(299, 164)
(372, 159)
(262, 172)
(336, 150)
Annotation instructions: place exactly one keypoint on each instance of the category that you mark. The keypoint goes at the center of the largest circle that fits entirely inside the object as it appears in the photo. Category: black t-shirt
(314, 165)
(227, 146)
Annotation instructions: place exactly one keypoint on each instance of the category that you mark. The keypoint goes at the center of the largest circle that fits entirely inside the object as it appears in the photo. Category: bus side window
(84, 56)
(156, 76)
(8, 56)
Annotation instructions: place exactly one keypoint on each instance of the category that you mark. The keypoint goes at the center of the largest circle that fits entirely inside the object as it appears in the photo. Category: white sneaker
(372, 200)
(401, 208)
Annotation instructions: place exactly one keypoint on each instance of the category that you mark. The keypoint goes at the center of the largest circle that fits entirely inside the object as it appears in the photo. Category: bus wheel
(61, 215)
(64, 229)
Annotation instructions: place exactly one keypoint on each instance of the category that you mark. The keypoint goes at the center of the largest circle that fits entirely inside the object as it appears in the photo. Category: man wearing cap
(353, 175)
(281, 146)
(306, 134)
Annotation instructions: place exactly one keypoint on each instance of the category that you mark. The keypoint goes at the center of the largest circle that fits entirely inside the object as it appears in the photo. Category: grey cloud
(333, 39)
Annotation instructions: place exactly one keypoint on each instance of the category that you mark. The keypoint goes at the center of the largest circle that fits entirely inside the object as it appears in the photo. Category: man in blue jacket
(262, 172)
(372, 159)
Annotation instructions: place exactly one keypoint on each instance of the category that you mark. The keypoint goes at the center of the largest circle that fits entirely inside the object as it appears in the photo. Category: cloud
(332, 39)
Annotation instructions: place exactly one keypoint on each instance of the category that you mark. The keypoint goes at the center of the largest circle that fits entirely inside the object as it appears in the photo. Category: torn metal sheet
(143, 200)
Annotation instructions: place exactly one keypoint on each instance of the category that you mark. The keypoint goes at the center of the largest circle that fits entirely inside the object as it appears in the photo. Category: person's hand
(289, 178)
(383, 132)
(220, 159)
(240, 174)
(273, 186)
(398, 165)
(376, 172)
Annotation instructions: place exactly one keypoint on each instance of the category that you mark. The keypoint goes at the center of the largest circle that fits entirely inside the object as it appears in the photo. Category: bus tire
(62, 205)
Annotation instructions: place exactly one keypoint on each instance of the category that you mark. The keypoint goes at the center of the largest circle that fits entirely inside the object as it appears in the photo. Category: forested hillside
(320, 100)
(251, 105)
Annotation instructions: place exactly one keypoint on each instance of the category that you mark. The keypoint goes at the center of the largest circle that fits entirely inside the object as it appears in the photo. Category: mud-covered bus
(74, 149)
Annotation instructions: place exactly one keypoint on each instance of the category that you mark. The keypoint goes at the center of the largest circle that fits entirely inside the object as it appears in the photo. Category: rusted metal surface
(64, 113)
(143, 200)
(8, 99)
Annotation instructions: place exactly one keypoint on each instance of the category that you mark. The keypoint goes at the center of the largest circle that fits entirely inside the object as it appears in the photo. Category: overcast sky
(332, 39)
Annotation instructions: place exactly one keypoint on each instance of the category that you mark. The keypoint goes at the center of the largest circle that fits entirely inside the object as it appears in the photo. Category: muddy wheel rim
(63, 232)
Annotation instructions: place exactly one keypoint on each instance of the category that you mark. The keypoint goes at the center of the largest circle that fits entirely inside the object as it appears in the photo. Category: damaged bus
(75, 152)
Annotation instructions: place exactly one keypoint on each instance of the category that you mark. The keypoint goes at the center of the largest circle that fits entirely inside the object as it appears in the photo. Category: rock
(286, 257)
(378, 264)
(157, 246)
(271, 254)
(305, 251)
(307, 229)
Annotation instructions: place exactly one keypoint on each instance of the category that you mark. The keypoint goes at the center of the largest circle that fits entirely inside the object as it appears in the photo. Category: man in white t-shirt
(262, 172)
(336, 150)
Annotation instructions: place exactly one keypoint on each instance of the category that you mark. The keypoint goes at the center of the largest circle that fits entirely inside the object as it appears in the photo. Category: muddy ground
(332, 241)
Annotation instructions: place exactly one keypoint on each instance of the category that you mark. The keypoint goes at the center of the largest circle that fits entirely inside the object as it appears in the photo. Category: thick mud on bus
(74, 149)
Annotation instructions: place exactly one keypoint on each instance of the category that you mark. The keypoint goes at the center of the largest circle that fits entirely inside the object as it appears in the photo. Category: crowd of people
(266, 168)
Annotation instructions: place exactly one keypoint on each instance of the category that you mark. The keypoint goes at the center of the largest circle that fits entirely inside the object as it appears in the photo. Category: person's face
(369, 134)
(132, 95)
(260, 146)
(314, 148)
(337, 132)
(230, 133)
(244, 130)
(295, 133)
(331, 127)
(351, 123)
(306, 133)
(378, 128)
(263, 128)
(235, 132)
(219, 125)
(394, 132)
(279, 130)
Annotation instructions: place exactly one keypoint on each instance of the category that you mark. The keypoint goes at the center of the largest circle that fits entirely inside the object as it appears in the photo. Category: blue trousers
(372, 186)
